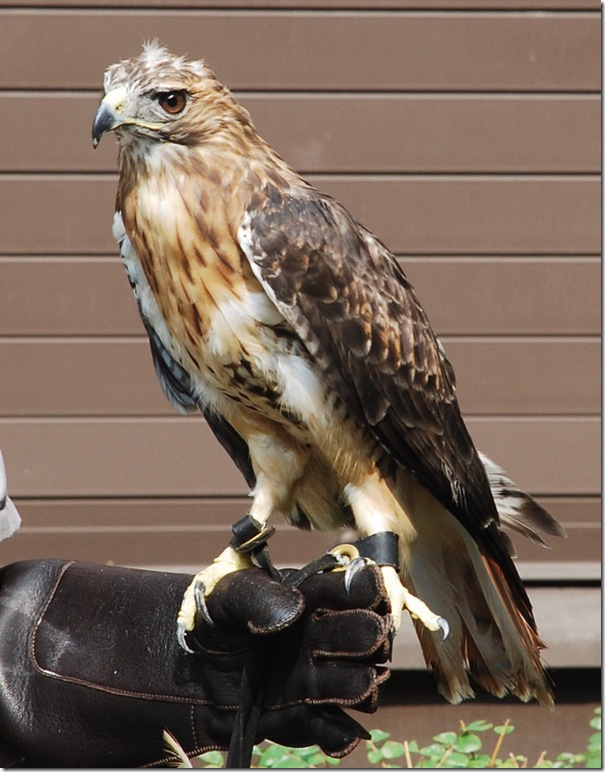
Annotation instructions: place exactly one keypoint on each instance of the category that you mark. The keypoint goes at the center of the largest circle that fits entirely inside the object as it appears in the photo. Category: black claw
(199, 592)
(352, 569)
(444, 625)
(181, 637)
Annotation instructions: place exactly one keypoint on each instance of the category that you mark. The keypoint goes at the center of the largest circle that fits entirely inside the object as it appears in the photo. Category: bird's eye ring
(172, 102)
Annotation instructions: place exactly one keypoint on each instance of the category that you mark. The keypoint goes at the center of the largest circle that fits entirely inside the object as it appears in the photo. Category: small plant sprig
(464, 749)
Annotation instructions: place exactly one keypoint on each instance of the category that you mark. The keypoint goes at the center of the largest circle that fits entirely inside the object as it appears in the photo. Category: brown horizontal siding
(184, 549)
(185, 533)
(425, 5)
(510, 52)
(546, 455)
(370, 133)
(508, 296)
(201, 514)
(99, 377)
(411, 214)
(484, 296)
(169, 544)
(178, 456)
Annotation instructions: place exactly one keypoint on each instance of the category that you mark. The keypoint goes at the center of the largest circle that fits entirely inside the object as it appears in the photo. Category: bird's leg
(419, 610)
(401, 598)
(249, 536)
(371, 503)
(279, 462)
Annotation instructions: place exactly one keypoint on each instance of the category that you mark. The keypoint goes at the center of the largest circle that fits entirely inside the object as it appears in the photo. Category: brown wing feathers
(346, 297)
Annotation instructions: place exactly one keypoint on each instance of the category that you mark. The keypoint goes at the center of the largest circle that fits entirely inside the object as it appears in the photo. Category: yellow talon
(204, 582)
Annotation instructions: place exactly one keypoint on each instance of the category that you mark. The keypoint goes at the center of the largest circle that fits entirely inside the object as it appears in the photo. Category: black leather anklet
(249, 535)
(382, 548)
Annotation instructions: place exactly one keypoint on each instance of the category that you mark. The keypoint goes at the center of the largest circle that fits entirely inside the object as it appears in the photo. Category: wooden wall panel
(175, 534)
(484, 295)
(350, 50)
(178, 456)
(105, 377)
(67, 296)
(201, 514)
(536, 215)
(342, 132)
(174, 547)
(314, 5)
(509, 296)
(544, 455)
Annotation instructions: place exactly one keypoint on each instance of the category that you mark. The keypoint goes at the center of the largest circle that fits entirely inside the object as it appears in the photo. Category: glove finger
(365, 591)
(328, 726)
(349, 684)
(250, 600)
(370, 704)
(352, 634)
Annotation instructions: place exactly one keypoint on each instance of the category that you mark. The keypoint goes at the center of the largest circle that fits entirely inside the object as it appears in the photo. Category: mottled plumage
(296, 333)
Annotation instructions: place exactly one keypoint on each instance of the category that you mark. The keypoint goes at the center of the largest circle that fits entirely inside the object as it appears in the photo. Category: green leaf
(312, 753)
(332, 761)
(479, 726)
(480, 761)
(377, 735)
(375, 757)
(595, 739)
(455, 760)
(595, 723)
(290, 761)
(434, 750)
(446, 738)
(468, 743)
(392, 750)
(504, 729)
(273, 756)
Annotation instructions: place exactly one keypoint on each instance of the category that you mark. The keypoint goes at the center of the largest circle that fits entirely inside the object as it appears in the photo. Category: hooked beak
(109, 114)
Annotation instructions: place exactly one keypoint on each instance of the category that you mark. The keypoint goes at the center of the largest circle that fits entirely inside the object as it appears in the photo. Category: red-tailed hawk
(296, 333)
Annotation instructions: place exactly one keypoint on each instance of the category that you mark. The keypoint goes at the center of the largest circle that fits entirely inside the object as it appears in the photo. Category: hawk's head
(158, 96)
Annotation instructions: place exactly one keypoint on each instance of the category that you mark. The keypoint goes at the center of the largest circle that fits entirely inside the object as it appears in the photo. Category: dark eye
(173, 102)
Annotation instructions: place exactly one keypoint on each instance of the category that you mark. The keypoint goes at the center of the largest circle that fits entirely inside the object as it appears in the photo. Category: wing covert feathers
(348, 300)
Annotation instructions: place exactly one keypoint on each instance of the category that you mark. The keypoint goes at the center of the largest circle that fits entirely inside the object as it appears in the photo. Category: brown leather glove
(92, 673)
(311, 651)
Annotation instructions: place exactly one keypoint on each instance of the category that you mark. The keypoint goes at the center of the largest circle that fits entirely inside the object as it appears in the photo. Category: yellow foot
(202, 585)
(400, 598)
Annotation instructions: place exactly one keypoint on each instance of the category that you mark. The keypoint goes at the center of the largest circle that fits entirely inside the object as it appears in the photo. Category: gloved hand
(312, 650)
(92, 673)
